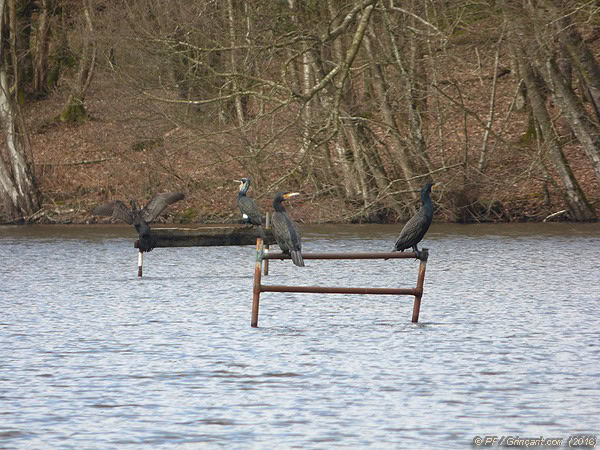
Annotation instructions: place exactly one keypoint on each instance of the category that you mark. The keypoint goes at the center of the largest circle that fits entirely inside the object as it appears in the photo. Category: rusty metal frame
(261, 256)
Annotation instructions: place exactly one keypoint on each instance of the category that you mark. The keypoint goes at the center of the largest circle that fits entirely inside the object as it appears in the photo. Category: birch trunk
(305, 84)
(232, 59)
(352, 184)
(17, 184)
(483, 156)
(381, 89)
(410, 70)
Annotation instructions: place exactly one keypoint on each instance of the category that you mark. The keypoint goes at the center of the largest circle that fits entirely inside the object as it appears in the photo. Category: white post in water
(140, 262)
(267, 227)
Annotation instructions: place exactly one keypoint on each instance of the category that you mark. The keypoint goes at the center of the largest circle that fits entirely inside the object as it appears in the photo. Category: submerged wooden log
(206, 236)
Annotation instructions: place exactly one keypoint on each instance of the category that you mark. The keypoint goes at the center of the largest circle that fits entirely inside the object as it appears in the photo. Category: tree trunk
(410, 70)
(17, 184)
(572, 193)
(360, 167)
(305, 77)
(520, 34)
(239, 110)
(74, 110)
(20, 32)
(381, 89)
(375, 164)
(347, 178)
(352, 180)
(582, 57)
(42, 42)
(555, 66)
(587, 132)
(483, 155)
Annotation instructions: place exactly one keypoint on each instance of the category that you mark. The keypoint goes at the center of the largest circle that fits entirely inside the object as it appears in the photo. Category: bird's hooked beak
(290, 195)
(241, 184)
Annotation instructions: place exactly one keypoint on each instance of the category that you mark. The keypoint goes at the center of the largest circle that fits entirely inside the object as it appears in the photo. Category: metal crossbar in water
(262, 255)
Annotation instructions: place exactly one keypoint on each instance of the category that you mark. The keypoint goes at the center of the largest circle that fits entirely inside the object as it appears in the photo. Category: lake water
(93, 357)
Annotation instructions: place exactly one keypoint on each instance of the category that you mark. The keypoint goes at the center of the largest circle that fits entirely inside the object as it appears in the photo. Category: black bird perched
(140, 218)
(414, 230)
(285, 229)
(248, 208)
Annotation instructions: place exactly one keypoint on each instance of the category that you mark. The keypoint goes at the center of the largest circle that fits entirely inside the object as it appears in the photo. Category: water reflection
(92, 356)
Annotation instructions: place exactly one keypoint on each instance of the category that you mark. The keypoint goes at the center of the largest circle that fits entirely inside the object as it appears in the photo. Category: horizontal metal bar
(339, 290)
(379, 255)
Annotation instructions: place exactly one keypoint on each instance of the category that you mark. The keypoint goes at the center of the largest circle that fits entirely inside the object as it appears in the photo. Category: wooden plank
(206, 236)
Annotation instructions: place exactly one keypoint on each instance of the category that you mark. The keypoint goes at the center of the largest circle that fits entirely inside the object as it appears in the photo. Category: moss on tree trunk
(74, 112)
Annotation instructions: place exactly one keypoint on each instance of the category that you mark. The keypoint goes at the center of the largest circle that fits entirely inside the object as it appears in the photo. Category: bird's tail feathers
(261, 232)
(297, 258)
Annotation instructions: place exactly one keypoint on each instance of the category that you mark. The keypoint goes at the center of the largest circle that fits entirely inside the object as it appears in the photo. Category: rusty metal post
(417, 292)
(257, 287)
(420, 282)
(267, 227)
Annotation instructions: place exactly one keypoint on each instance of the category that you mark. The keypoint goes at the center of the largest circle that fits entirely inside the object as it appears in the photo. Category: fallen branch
(555, 214)
(78, 163)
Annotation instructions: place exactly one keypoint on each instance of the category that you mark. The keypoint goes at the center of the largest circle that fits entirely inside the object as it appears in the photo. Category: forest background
(356, 104)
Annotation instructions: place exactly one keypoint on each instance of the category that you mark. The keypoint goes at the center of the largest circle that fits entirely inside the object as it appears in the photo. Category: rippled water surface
(93, 357)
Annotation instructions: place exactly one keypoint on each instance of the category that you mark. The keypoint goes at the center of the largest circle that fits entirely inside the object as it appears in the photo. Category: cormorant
(285, 229)
(417, 226)
(248, 208)
(140, 218)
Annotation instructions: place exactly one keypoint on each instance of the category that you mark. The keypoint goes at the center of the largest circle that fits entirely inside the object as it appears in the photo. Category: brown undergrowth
(123, 152)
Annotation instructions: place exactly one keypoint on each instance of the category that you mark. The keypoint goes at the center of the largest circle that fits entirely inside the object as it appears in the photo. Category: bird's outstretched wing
(159, 203)
(115, 209)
